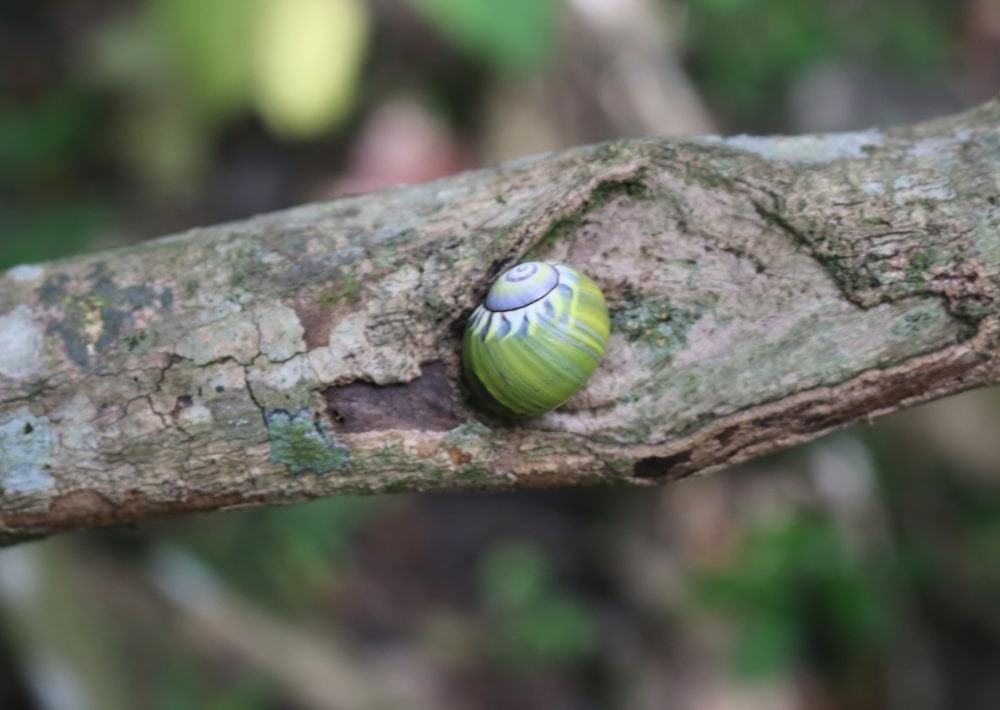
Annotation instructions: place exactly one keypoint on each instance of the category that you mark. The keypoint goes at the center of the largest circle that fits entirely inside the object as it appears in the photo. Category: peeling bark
(763, 291)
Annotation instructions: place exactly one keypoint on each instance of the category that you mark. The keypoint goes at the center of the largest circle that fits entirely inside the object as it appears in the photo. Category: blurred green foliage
(519, 38)
(533, 623)
(207, 43)
(796, 593)
(46, 147)
(185, 685)
(47, 135)
(32, 235)
(745, 52)
(283, 557)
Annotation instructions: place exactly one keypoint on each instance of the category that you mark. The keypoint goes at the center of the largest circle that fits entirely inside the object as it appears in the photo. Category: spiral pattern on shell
(536, 339)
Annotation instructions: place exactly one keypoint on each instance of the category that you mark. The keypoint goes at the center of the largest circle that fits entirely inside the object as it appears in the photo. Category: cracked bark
(763, 291)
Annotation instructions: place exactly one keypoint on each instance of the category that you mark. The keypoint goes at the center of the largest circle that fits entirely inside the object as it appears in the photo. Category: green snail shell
(536, 339)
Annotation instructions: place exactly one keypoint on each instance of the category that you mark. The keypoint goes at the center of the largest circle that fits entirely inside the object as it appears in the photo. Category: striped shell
(536, 339)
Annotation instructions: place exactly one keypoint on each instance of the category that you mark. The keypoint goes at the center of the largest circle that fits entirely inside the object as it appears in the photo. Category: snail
(536, 339)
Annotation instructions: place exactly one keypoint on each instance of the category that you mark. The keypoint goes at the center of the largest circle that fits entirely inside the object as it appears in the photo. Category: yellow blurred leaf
(308, 55)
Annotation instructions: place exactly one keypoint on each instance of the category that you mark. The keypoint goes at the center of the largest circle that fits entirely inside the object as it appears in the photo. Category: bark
(763, 291)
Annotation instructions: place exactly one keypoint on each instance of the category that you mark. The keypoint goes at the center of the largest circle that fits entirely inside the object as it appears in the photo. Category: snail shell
(536, 339)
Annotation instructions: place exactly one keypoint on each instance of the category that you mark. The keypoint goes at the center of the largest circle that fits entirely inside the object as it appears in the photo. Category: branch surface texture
(763, 291)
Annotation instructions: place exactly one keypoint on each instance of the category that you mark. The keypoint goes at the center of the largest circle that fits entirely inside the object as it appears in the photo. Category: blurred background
(861, 571)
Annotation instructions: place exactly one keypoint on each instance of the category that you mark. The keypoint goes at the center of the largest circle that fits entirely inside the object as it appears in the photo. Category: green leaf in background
(514, 575)
(516, 35)
(32, 235)
(210, 42)
(165, 143)
(186, 684)
(920, 44)
(248, 692)
(282, 556)
(796, 586)
(535, 623)
(308, 56)
(745, 52)
(182, 685)
(724, 4)
(49, 133)
(557, 630)
(769, 642)
(158, 132)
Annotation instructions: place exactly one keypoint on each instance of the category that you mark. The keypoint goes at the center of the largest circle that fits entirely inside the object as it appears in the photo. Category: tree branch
(763, 291)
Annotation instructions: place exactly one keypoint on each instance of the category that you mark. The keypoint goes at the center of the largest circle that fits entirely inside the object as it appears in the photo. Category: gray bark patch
(93, 322)
(20, 343)
(26, 443)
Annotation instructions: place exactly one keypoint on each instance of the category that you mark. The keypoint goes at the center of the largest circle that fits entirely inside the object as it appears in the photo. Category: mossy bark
(763, 291)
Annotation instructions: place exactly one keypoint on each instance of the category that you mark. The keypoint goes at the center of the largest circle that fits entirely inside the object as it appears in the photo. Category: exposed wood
(763, 291)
